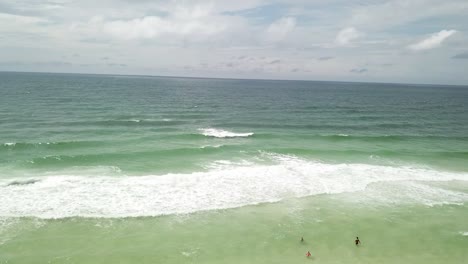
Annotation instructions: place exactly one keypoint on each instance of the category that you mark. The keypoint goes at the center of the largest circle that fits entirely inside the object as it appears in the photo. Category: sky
(417, 41)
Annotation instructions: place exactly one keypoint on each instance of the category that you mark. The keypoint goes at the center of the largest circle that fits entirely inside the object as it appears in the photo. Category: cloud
(116, 64)
(346, 35)
(279, 29)
(359, 70)
(18, 19)
(325, 58)
(379, 15)
(255, 64)
(153, 26)
(461, 56)
(37, 63)
(433, 41)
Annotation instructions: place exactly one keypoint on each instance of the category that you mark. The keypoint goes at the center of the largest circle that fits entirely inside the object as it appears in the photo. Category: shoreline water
(263, 233)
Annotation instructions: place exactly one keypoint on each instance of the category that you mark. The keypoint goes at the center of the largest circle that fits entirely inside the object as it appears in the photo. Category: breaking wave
(219, 133)
(225, 185)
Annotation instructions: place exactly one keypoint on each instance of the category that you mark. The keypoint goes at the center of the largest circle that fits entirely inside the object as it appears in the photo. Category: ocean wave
(228, 185)
(219, 133)
(377, 138)
(387, 155)
(148, 120)
(227, 164)
(407, 191)
(58, 144)
(211, 146)
(128, 122)
(89, 159)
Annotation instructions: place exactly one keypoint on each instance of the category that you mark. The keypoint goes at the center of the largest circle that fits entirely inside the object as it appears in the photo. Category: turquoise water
(125, 169)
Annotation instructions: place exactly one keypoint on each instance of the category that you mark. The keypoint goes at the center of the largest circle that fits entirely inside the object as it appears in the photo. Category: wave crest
(219, 133)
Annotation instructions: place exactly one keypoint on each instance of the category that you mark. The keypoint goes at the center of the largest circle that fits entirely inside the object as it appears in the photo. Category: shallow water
(267, 233)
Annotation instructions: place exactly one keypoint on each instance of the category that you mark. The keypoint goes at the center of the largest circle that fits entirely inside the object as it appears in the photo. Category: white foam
(407, 191)
(228, 186)
(219, 133)
(8, 144)
(211, 146)
(227, 164)
(464, 233)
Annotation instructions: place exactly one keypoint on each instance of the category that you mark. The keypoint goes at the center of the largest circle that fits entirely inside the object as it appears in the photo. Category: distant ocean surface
(188, 170)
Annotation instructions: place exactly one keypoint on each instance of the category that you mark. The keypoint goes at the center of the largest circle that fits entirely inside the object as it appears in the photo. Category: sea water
(135, 169)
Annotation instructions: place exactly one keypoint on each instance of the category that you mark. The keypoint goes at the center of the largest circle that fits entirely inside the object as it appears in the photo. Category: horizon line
(231, 78)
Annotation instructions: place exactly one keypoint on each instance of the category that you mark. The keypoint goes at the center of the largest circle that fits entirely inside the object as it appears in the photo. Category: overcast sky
(411, 41)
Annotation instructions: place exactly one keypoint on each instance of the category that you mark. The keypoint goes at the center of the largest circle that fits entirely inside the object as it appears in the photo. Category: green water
(267, 233)
(121, 169)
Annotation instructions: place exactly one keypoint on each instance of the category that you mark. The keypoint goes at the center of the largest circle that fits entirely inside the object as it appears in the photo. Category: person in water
(308, 254)
(357, 241)
(302, 239)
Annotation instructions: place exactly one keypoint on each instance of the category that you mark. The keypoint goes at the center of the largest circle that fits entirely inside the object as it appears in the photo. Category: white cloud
(15, 28)
(346, 35)
(279, 29)
(220, 6)
(433, 41)
(6, 19)
(198, 11)
(153, 26)
(383, 14)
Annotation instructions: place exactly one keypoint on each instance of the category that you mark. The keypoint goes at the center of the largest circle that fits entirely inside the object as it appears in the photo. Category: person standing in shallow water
(308, 254)
(357, 241)
(302, 239)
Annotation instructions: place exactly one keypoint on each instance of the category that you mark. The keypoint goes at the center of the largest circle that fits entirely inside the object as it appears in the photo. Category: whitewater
(62, 196)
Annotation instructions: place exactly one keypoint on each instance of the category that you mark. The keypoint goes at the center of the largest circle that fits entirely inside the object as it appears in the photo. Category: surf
(219, 133)
(221, 187)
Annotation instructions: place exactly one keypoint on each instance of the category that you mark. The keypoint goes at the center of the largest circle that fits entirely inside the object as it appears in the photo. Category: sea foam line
(219, 188)
(219, 133)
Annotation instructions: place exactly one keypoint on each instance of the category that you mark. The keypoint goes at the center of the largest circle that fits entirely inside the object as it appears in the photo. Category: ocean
(139, 169)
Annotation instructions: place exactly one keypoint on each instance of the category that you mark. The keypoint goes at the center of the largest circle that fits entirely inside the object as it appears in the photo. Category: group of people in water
(357, 242)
